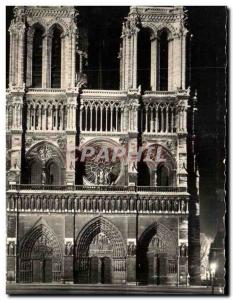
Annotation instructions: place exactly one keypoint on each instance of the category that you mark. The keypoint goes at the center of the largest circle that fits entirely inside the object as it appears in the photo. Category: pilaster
(153, 76)
(16, 129)
(71, 95)
(133, 104)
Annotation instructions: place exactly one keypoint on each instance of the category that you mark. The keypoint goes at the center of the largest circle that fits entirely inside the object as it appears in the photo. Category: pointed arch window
(144, 58)
(37, 49)
(56, 57)
(162, 61)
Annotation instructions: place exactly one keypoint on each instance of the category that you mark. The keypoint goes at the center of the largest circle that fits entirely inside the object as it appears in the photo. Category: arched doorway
(163, 176)
(100, 254)
(40, 256)
(157, 167)
(53, 173)
(157, 256)
(35, 172)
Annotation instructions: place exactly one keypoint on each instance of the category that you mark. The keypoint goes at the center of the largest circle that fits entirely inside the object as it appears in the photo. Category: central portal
(42, 270)
(100, 262)
(101, 254)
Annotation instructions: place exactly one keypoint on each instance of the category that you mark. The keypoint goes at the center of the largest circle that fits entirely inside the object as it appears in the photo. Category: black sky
(208, 76)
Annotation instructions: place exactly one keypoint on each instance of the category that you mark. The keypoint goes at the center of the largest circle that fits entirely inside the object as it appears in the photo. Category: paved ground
(75, 289)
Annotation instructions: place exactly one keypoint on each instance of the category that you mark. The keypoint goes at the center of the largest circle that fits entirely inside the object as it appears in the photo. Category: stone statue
(43, 177)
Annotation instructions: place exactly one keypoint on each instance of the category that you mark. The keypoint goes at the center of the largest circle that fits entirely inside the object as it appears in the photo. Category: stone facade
(96, 223)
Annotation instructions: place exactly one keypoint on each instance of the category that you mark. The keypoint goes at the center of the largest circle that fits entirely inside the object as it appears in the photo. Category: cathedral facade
(107, 221)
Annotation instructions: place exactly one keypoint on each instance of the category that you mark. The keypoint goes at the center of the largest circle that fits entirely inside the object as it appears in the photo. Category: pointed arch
(38, 231)
(40, 255)
(57, 25)
(94, 227)
(56, 32)
(155, 157)
(168, 29)
(90, 268)
(163, 233)
(35, 36)
(157, 254)
(45, 164)
(54, 151)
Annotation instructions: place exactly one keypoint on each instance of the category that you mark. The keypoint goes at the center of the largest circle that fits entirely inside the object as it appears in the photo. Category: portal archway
(45, 164)
(40, 256)
(100, 253)
(157, 167)
(157, 256)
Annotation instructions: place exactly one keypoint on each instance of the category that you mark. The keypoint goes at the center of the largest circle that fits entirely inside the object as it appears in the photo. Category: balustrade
(103, 188)
(46, 116)
(158, 118)
(101, 116)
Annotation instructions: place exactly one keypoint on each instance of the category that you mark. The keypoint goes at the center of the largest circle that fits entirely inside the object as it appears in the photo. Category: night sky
(207, 75)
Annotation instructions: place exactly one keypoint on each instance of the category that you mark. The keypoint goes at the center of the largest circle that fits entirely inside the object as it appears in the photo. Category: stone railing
(160, 93)
(98, 188)
(169, 94)
(45, 90)
(87, 92)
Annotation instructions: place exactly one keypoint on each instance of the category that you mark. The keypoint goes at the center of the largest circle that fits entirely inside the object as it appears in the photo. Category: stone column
(21, 38)
(156, 119)
(16, 53)
(71, 95)
(135, 53)
(43, 112)
(170, 65)
(62, 62)
(133, 104)
(153, 74)
(12, 42)
(177, 62)
(183, 61)
(123, 63)
(73, 57)
(127, 61)
(29, 60)
(46, 60)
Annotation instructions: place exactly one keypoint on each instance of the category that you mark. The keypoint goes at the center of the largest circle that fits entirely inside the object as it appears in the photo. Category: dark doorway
(100, 270)
(42, 270)
(143, 174)
(162, 176)
(53, 174)
(106, 270)
(94, 270)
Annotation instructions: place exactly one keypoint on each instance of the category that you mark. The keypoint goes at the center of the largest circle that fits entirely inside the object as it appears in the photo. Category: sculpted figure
(131, 204)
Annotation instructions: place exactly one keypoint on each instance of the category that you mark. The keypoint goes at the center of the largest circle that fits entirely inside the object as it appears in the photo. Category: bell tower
(42, 94)
(166, 29)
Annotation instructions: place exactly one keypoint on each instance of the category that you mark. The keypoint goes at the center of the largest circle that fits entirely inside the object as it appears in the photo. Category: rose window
(102, 168)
